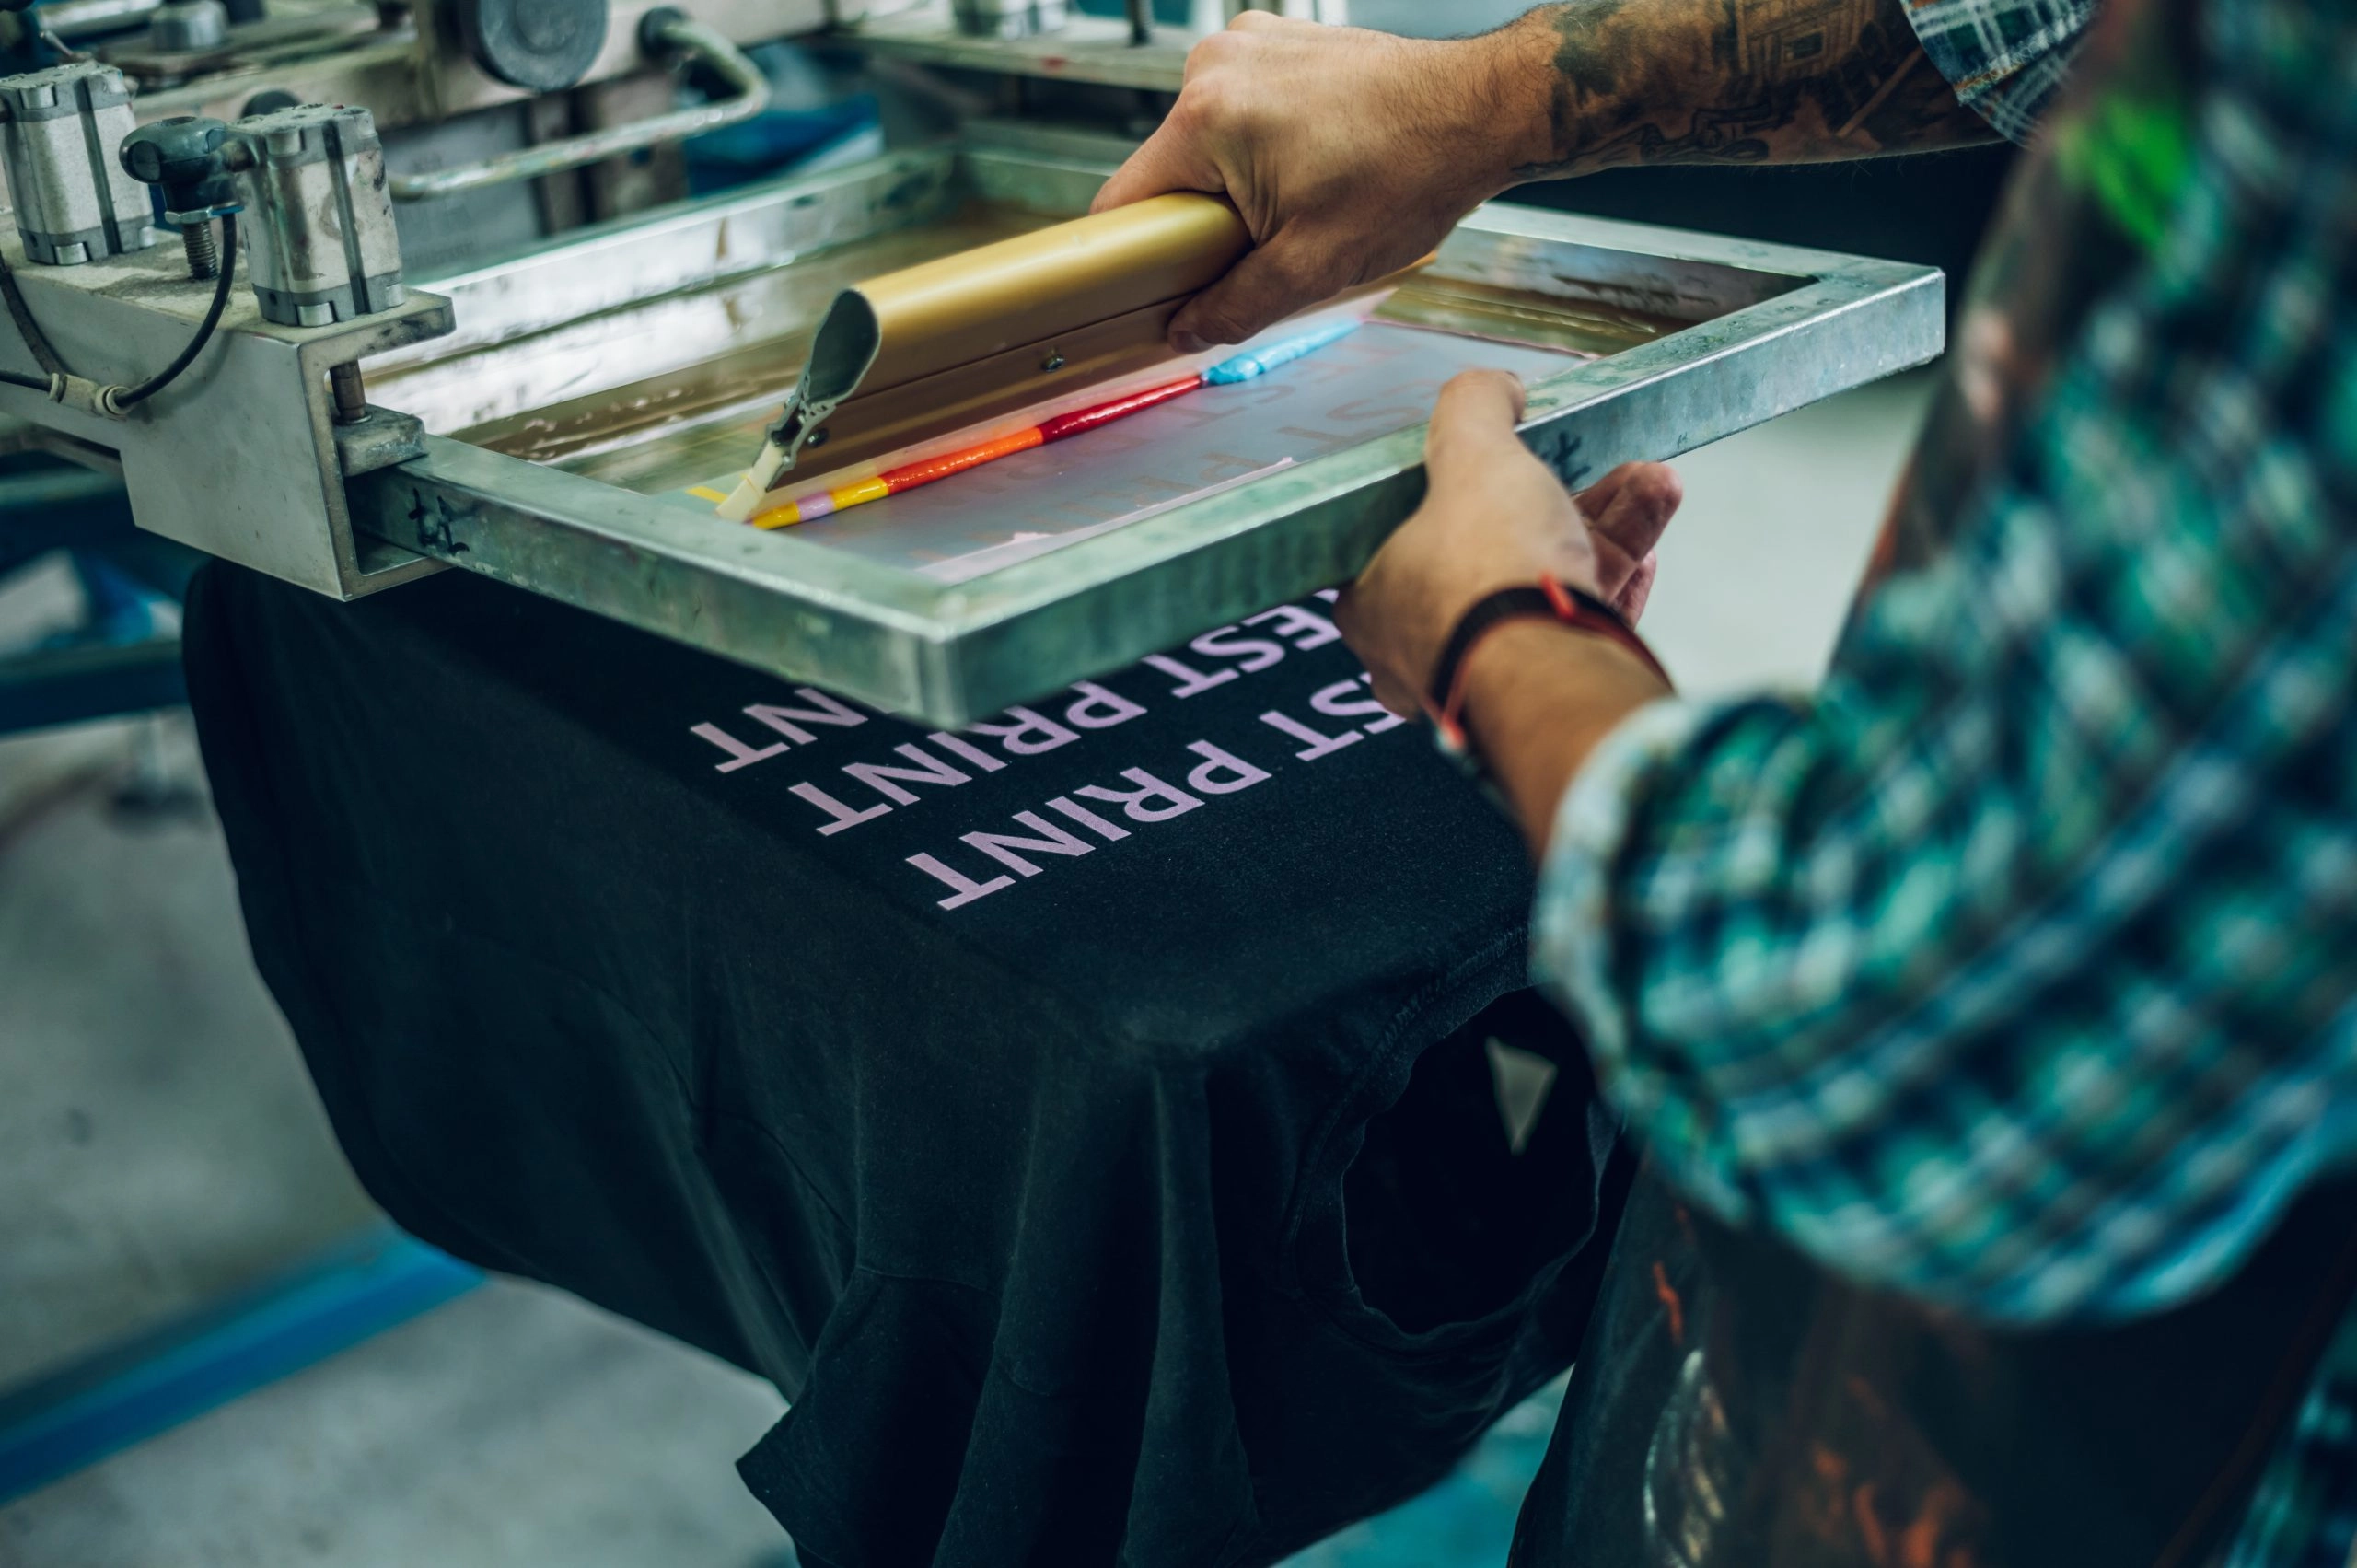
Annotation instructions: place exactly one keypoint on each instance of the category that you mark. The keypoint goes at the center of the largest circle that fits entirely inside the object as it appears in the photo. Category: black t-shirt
(1084, 1118)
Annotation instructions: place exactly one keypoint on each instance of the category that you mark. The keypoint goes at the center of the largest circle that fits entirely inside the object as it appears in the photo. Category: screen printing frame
(1774, 327)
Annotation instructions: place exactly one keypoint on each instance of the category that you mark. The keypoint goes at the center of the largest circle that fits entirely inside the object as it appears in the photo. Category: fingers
(1178, 156)
(1478, 401)
(1271, 282)
(1477, 410)
(1634, 593)
(1656, 485)
(1395, 696)
(1364, 641)
(1173, 158)
(1597, 499)
(1631, 506)
(1627, 511)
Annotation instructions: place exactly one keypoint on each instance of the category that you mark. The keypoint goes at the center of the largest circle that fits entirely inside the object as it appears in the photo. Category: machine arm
(663, 33)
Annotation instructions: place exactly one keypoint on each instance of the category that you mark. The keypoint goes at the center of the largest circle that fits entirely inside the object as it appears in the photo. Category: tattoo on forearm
(1688, 81)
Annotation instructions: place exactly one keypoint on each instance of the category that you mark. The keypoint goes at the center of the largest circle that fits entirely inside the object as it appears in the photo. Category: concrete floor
(152, 1106)
(158, 1144)
(513, 1427)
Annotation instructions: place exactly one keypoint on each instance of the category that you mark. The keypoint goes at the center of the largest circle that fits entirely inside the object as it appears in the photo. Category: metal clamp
(663, 32)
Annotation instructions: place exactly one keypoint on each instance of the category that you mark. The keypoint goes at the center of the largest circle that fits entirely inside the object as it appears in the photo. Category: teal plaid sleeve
(2305, 1515)
(2006, 58)
(2014, 968)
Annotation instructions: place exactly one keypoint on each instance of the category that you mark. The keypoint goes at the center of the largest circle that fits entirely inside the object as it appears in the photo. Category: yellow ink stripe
(860, 492)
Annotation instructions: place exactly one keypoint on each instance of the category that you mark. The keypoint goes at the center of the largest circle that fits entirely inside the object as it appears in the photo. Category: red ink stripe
(1083, 420)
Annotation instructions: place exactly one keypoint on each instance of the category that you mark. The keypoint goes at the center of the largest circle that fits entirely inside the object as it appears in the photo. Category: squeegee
(932, 360)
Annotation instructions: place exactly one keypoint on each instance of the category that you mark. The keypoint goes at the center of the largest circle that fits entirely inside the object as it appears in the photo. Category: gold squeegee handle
(912, 355)
(964, 307)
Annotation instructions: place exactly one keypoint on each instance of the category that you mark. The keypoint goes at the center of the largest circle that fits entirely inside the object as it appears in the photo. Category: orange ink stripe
(910, 476)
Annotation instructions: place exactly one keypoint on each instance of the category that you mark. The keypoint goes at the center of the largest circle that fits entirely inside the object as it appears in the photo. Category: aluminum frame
(1774, 328)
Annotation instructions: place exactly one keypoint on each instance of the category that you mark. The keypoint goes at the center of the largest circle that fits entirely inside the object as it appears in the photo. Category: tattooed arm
(1687, 81)
(1350, 153)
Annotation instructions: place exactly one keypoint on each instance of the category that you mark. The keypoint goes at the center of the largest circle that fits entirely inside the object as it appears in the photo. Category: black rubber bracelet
(1546, 599)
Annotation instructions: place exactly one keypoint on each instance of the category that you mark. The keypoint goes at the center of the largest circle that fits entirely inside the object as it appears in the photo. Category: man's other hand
(1494, 517)
(1349, 153)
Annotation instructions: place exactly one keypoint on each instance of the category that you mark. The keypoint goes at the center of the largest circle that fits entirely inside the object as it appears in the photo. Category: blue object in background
(125, 657)
(777, 141)
(1168, 12)
(363, 1285)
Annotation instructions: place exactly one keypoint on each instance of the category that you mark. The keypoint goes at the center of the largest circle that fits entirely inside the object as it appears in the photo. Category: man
(1350, 153)
(2013, 970)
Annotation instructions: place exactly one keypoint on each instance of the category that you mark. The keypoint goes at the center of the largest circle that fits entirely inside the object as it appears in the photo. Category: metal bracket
(240, 456)
(378, 439)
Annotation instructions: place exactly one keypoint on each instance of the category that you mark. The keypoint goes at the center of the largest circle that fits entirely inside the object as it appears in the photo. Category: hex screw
(351, 393)
(203, 250)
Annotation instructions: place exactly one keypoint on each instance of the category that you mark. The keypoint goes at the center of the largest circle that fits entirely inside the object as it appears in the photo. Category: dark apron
(1735, 1406)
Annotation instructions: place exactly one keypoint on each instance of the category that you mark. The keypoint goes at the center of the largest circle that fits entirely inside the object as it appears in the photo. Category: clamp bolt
(190, 157)
(348, 394)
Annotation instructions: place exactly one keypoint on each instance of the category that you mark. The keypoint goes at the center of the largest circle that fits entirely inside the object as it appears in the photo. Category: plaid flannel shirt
(2006, 58)
(2016, 967)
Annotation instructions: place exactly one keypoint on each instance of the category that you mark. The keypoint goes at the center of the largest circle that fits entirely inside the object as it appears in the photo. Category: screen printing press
(563, 390)
(571, 409)
(981, 959)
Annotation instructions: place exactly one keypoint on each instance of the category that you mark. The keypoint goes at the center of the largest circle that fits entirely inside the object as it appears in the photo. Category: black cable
(46, 356)
(21, 313)
(171, 373)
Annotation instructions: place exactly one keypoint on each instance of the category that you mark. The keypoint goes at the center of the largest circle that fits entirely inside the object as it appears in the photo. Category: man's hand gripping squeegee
(927, 361)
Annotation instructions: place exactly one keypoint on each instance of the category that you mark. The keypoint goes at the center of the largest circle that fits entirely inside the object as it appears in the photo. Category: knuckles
(1223, 76)
(1211, 102)
(1658, 486)
(1215, 50)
